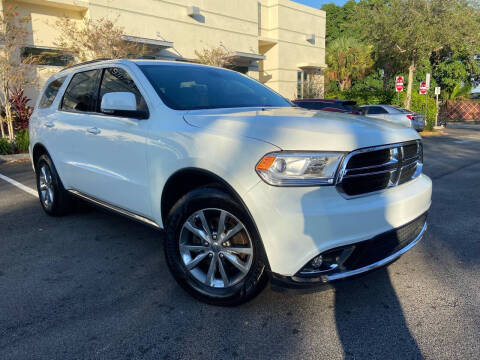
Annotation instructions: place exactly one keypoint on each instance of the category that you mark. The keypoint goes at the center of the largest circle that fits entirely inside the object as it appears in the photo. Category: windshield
(183, 87)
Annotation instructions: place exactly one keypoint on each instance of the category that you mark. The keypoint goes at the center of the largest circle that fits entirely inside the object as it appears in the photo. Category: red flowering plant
(22, 111)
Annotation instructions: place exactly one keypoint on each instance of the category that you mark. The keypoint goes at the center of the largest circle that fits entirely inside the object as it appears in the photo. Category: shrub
(418, 105)
(5, 146)
(22, 141)
(364, 96)
(21, 109)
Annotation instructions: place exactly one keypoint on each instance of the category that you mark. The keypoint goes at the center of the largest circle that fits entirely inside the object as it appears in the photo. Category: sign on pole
(423, 88)
(399, 83)
(437, 92)
(427, 80)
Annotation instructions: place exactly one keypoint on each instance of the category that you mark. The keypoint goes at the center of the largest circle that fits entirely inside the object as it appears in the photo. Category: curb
(14, 157)
(475, 126)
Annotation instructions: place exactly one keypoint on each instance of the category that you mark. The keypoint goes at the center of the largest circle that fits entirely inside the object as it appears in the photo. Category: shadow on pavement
(370, 320)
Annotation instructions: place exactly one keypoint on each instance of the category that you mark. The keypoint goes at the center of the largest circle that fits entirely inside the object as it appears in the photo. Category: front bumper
(297, 224)
(395, 243)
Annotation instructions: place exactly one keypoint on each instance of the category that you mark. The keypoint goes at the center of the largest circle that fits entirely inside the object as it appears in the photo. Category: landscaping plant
(15, 71)
(22, 110)
(22, 141)
(5, 146)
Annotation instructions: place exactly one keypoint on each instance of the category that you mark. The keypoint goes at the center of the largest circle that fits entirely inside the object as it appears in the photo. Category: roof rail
(85, 63)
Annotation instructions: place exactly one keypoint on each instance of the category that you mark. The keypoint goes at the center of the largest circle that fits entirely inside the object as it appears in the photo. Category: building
(279, 42)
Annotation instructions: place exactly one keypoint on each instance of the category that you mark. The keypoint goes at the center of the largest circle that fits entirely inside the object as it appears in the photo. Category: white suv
(247, 187)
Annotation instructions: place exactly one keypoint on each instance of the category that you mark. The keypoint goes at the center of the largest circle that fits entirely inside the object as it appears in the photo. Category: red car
(333, 105)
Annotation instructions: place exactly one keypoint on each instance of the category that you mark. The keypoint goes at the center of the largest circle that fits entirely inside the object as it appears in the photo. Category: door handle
(49, 124)
(94, 130)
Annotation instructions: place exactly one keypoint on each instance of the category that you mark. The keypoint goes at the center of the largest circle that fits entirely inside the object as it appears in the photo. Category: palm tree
(348, 59)
(460, 91)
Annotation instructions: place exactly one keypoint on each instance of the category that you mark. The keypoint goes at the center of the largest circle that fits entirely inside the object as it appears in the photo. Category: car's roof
(102, 62)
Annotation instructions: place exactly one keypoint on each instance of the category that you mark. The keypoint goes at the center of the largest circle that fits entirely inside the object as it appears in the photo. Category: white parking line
(19, 185)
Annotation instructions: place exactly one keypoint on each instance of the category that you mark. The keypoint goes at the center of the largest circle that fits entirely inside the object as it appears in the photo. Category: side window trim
(99, 89)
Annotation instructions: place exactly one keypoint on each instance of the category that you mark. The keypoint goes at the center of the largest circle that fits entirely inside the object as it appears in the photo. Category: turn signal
(265, 163)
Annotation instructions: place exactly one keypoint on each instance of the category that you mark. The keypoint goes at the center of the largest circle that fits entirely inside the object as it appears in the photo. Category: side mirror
(121, 104)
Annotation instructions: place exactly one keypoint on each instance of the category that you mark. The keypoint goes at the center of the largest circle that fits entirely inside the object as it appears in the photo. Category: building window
(239, 68)
(300, 81)
(47, 56)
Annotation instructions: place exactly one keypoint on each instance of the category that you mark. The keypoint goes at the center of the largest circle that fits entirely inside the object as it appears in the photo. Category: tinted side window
(375, 110)
(118, 80)
(81, 93)
(50, 93)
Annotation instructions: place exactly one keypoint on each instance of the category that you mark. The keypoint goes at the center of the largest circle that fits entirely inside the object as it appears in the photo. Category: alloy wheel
(46, 187)
(216, 248)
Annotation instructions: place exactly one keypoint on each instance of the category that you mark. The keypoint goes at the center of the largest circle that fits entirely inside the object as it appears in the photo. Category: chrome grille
(377, 168)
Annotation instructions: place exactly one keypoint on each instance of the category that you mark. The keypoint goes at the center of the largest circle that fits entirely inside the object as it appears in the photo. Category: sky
(318, 3)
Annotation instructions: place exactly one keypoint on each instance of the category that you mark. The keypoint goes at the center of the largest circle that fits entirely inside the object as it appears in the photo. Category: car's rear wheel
(54, 199)
(213, 249)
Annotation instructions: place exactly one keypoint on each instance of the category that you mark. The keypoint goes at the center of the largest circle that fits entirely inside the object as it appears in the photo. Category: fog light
(327, 262)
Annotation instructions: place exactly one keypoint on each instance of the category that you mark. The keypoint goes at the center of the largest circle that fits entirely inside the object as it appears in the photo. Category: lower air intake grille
(384, 245)
(378, 168)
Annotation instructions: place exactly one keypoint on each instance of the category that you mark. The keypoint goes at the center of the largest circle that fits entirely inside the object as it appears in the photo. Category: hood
(293, 128)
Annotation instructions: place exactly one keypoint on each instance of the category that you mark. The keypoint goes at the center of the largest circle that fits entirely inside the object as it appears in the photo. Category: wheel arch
(187, 179)
(38, 150)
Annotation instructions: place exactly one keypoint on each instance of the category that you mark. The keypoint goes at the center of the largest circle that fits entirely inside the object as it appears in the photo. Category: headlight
(299, 168)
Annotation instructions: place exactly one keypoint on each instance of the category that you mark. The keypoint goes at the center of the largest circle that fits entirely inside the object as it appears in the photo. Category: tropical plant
(460, 91)
(348, 59)
(5, 146)
(22, 111)
(15, 71)
(214, 56)
(22, 141)
(95, 39)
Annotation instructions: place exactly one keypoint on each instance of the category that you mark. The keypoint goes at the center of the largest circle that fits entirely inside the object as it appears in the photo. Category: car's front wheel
(213, 249)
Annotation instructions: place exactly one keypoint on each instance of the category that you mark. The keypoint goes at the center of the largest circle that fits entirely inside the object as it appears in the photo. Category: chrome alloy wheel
(216, 248)
(46, 187)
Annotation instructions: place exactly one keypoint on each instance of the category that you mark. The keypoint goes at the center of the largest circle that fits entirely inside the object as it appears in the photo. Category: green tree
(340, 20)
(410, 31)
(348, 59)
(451, 74)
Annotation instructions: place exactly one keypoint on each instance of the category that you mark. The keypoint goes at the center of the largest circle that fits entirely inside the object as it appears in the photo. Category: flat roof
(159, 43)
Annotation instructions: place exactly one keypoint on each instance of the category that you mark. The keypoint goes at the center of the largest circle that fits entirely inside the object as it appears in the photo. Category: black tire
(61, 203)
(255, 279)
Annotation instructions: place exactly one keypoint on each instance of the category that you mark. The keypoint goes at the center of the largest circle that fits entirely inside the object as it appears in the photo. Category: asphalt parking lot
(94, 285)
